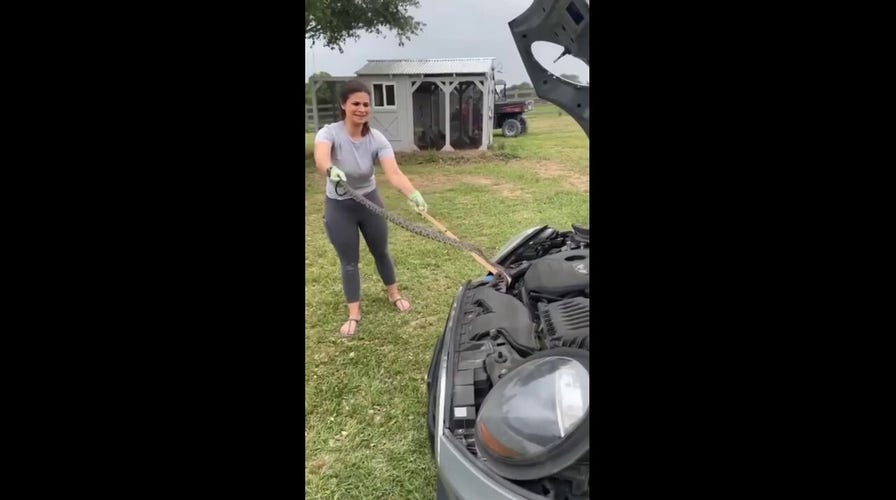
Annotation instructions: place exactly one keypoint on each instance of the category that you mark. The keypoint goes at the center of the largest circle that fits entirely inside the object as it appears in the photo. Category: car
(509, 379)
(509, 408)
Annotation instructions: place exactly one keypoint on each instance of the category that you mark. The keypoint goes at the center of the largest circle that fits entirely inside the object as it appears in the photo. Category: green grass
(365, 398)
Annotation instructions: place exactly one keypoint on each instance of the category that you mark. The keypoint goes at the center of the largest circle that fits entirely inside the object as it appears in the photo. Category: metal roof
(427, 66)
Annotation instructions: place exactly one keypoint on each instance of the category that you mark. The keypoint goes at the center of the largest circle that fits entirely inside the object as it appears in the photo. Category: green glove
(416, 199)
(336, 175)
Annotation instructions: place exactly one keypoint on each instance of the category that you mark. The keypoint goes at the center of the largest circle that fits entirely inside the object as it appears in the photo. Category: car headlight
(534, 421)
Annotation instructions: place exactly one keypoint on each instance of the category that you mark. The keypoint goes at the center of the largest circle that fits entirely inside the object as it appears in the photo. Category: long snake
(421, 230)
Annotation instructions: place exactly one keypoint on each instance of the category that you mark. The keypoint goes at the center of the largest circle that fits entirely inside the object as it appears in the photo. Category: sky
(454, 28)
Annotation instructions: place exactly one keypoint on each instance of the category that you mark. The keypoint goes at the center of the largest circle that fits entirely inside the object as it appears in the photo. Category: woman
(345, 151)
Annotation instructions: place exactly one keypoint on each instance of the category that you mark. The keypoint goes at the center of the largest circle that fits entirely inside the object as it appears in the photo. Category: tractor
(509, 114)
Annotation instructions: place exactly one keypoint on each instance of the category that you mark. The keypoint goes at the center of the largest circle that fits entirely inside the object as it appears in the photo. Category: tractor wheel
(511, 128)
(525, 126)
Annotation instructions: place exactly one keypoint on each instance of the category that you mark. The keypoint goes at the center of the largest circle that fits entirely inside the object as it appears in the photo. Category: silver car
(509, 390)
(509, 404)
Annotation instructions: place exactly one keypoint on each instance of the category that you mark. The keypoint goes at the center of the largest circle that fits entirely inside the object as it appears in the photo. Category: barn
(419, 104)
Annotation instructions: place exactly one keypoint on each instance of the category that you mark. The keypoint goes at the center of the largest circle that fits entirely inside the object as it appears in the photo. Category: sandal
(395, 303)
(351, 331)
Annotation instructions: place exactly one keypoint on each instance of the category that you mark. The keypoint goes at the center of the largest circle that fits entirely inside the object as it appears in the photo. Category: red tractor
(509, 114)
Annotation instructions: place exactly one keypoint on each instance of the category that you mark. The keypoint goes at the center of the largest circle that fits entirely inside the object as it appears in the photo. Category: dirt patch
(555, 170)
(440, 182)
(321, 464)
(452, 158)
(425, 321)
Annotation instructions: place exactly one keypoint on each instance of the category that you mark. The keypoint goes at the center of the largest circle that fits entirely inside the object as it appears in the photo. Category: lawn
(365, 398)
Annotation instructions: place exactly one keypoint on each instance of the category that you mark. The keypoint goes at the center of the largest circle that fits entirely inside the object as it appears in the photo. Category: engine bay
(545, 306)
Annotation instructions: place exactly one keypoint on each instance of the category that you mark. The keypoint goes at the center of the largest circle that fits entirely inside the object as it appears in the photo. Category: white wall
(396, 123)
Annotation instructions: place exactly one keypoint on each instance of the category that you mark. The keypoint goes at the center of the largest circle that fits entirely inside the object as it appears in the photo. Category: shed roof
(427, 66)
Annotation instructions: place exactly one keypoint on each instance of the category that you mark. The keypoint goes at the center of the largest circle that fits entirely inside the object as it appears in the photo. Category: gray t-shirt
(356, 159)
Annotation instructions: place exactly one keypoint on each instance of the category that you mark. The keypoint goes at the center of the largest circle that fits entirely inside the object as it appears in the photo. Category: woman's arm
(395, 176)
(322, 158)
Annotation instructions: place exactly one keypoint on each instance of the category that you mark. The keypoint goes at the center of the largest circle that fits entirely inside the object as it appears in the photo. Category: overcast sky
(454, 28)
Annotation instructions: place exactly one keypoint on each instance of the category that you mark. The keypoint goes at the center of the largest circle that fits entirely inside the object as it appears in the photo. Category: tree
(571, 77)
(324, 92)
(334, 22)
(520, 86)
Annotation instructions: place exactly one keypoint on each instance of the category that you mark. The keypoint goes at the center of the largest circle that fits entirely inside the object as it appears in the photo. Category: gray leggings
(342, 220)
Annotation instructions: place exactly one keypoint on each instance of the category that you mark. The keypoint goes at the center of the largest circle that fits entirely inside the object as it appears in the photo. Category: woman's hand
(336, 175)
(416, 199)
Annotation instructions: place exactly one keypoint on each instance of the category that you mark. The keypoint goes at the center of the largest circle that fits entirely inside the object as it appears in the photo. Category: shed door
(387, 108)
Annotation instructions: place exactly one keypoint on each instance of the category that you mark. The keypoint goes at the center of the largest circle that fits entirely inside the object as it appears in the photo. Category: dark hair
(353, 87)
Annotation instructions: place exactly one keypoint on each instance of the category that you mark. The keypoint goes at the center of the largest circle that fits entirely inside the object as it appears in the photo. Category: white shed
(443, 104)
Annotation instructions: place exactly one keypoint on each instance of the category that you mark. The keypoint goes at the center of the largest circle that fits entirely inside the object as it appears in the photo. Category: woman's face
(357, 108)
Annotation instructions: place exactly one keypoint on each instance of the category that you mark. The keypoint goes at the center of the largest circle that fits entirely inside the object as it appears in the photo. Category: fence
(522, 94)
(326, 113)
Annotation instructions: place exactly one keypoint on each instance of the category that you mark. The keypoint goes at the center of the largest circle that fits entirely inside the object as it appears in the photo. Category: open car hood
(566, 23)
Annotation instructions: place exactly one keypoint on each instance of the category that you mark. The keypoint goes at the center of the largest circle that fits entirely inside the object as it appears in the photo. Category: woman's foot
(400, 303)
(350, 327)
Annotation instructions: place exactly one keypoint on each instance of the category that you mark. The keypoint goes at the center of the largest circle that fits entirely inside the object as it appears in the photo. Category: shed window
(383, 95)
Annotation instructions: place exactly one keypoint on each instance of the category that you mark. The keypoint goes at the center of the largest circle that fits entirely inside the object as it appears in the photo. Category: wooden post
(314, 86)
(446, 89)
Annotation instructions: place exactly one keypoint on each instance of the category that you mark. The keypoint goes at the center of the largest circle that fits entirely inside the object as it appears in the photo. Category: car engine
(546, 305)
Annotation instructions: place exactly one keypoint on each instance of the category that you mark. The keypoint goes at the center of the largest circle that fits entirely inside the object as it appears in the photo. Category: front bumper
(463, 479)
